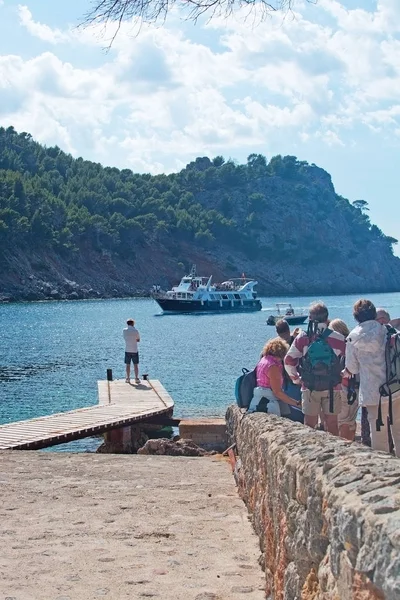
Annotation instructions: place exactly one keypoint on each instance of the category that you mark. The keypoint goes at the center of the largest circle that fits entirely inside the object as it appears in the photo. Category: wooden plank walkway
(120, 404)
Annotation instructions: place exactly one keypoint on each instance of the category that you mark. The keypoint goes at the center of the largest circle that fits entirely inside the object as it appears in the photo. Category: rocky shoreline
(44, 277)
(69, 291)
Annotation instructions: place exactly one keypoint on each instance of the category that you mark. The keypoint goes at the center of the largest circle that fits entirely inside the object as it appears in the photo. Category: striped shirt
(300, 346)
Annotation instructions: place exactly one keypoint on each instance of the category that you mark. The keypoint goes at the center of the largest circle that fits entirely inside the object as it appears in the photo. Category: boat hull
(190, 306)
(296, 320)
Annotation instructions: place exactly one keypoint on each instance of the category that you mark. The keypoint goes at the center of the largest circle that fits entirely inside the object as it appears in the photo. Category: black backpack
(392, 383)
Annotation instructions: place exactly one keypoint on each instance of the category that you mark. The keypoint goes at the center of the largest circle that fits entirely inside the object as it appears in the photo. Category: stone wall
(327, 512)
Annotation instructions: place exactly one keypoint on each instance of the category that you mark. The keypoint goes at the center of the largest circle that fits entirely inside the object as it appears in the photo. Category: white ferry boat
(198, 294)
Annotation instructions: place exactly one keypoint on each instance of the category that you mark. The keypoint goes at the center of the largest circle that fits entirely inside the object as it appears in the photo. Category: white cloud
(160, 98)
(330, 137)
(43, 32)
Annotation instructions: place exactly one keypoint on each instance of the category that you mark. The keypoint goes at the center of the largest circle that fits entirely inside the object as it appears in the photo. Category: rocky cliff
(70, 228)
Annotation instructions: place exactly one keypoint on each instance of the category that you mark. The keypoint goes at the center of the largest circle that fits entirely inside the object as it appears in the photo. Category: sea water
(53, 353)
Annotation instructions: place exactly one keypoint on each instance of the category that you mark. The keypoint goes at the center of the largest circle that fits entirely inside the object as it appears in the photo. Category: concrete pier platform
(92, 526)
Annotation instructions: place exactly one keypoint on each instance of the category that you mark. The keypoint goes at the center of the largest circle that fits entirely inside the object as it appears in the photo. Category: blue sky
(323, 84)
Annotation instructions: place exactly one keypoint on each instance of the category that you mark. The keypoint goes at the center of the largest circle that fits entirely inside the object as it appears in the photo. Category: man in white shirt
(131, 337)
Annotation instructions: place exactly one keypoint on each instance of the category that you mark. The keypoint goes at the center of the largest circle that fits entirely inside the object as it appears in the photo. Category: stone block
(209, 434)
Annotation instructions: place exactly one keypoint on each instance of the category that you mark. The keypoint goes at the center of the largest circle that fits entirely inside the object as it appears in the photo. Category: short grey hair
(381, 313)
(318, 312)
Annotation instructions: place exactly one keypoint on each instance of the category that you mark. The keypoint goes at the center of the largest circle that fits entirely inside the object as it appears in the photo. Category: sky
(321, 83)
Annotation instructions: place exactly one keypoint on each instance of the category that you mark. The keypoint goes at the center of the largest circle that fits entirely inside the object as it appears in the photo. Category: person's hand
(297, 381)
(345, 373)
(296, 332)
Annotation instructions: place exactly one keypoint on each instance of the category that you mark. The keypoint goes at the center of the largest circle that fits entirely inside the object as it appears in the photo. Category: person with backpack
(350, 386)
(383, 317)
(315, 361)
(373, 352)
(268, 395)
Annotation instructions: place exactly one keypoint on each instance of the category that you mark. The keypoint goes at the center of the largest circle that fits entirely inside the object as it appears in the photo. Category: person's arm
(274, 375)
(293, 356)
(395, 323)
(352, 365)
(138, 337)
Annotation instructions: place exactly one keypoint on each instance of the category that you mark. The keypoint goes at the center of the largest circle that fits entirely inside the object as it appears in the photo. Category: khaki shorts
(312, 403)
(348, 412)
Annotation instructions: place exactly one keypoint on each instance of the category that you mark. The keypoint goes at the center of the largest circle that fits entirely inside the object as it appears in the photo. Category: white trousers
(380, 439)
(272, 408)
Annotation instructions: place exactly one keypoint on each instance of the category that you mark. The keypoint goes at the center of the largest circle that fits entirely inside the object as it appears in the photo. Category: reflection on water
(20, 372)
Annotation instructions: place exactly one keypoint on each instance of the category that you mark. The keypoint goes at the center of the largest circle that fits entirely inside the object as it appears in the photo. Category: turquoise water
(53, 353)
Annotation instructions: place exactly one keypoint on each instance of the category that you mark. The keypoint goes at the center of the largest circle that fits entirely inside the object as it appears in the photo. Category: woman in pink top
(268, 395)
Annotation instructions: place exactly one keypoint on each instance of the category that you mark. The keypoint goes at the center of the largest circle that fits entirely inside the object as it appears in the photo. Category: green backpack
(320, 369)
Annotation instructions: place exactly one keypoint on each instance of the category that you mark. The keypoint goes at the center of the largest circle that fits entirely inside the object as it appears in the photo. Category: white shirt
(365, 354)
(131, 337)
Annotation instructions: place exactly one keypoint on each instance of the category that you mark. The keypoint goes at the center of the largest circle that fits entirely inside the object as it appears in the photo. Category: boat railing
(233, 285)
(226, 288)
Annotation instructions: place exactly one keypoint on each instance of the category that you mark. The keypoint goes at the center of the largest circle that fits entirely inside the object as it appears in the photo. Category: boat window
(237, 297)
(243, 296)
(224, 296)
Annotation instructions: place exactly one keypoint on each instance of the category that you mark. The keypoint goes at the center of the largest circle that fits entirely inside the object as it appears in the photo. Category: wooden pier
(120, 405)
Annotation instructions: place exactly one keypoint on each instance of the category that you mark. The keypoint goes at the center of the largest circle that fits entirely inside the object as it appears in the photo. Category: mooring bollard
(109, 375)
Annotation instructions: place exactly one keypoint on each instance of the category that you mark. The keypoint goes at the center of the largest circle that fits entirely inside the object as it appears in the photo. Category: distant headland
(72, 229)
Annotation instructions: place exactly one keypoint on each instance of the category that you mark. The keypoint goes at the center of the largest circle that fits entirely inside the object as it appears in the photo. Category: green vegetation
(51, 201)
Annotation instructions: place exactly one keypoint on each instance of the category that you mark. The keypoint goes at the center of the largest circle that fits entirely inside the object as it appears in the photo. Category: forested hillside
(73, 228)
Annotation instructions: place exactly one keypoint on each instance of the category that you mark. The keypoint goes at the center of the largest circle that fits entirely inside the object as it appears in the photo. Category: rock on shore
(164, 446)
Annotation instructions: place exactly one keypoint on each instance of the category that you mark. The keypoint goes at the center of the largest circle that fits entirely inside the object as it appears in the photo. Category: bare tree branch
(152, 11)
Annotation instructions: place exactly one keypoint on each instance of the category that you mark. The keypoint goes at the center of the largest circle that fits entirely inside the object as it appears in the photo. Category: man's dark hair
(130, 322)
(364, 310)
(318, 312)
(282, 326)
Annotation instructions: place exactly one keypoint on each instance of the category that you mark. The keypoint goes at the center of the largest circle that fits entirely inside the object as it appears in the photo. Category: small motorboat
(286, 312)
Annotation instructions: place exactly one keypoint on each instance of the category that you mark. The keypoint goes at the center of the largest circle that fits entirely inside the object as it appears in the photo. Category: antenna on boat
(193, 272)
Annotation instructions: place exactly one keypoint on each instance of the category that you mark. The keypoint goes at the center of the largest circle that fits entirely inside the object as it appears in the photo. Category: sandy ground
(92, 526)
